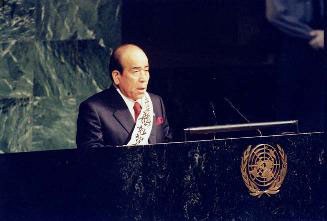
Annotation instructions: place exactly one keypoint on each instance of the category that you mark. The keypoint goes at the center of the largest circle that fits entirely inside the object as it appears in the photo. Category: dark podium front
(178, 181)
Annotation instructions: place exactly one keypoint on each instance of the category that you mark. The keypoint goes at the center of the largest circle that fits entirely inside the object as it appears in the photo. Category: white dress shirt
(130, 103)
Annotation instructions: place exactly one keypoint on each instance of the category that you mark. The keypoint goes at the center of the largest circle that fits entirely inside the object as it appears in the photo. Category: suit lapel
(124, 117)
(121, 112)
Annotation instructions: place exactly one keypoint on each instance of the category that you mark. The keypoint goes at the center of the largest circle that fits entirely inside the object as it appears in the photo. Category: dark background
(204, 51)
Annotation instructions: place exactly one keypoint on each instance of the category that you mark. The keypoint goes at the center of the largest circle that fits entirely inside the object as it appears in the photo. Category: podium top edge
(228, 127)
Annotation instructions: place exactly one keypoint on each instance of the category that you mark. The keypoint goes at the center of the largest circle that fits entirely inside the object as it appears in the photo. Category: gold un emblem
(263, 169)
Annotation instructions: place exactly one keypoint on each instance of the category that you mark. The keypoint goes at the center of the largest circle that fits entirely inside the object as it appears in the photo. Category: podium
(196, 180)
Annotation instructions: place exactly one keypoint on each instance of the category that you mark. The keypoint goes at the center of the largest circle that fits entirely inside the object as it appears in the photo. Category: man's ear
(115, 76)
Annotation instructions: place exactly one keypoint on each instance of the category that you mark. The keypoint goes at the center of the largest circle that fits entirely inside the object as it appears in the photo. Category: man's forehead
(128, 49)
(134, 58)
(132, 53)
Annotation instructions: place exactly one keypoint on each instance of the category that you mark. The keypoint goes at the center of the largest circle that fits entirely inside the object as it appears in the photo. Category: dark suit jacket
(104, 119)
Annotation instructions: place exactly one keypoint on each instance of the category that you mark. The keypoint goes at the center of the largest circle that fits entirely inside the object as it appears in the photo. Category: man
(301, 62)
(124, 114)
(300, 19)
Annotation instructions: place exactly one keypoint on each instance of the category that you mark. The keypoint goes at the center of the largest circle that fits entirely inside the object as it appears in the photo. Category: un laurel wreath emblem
(263, 169)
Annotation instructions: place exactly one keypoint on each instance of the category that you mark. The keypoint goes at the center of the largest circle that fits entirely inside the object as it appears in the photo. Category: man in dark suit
(124, 114)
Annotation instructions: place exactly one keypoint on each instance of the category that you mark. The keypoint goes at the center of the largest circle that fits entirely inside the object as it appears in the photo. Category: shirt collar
(129, 102)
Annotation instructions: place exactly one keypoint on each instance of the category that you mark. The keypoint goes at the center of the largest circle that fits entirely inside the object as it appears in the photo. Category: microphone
(239, 113)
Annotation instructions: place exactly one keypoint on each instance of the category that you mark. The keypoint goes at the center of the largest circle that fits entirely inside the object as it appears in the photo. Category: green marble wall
(53, 54)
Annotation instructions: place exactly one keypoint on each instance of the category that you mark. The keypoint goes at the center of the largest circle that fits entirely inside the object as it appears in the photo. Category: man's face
(133, 81)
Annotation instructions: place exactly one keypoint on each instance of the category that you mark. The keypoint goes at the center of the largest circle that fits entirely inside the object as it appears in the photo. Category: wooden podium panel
(199, 180)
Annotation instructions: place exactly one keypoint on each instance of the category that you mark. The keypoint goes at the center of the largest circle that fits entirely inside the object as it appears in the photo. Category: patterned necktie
(137, 110)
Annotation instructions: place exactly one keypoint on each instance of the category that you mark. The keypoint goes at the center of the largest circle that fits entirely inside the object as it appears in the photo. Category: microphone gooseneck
(239, 113)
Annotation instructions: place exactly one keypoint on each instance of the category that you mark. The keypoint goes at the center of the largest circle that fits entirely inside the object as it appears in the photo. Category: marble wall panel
(70, 68)
(55, 68)
(79, 19)
(91, 68)
(16, 69)
(61, 20)
(66, 73)
(53, 55)
(54, 122)
(15, 124)
(109, 25)
(17, 20)
(58, 75)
